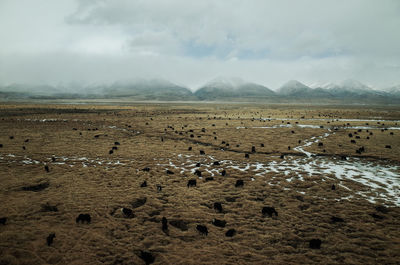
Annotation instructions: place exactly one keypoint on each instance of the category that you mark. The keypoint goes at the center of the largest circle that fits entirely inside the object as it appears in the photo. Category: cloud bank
(191, 42)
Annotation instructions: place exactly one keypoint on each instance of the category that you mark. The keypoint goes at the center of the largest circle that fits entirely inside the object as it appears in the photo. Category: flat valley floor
(331, 173)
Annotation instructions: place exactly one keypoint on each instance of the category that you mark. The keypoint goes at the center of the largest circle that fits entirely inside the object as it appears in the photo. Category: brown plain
(85, 178)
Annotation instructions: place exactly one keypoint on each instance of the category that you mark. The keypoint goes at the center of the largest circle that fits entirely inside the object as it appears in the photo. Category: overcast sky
(191, 42)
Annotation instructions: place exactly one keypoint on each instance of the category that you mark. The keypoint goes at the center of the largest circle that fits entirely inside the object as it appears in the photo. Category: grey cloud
(191, 42)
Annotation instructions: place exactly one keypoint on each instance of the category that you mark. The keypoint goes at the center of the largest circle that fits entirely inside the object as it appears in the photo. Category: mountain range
(218, 89)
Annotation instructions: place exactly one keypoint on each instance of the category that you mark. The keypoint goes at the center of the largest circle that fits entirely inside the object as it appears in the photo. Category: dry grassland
(74, 141)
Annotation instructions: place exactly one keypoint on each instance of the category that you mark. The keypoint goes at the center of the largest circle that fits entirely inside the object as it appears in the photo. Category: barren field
(330, 173)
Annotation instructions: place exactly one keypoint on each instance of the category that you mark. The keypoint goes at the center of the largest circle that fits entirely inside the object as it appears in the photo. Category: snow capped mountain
(354, 85)
(394, 90)
(222, 87)
(294, 88)
(225, 82)
(157, 89)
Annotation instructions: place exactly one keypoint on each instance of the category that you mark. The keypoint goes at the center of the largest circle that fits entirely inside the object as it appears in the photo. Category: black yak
(269, 210)
(202, 229)
(191, 183)
(83, 218)
(50, 238)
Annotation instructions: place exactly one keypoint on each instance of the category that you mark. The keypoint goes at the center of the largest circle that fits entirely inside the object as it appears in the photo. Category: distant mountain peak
(354, 85)
(227, 82)
(293, 87)
(232, 87)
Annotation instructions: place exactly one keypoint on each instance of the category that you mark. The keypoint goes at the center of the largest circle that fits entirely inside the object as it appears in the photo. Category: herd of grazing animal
(266, 211)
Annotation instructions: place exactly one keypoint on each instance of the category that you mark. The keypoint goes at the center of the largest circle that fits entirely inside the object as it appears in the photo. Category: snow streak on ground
(380, 181)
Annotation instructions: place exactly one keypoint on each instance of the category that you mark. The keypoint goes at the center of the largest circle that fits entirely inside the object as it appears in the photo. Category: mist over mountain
(394, 90)
(230, 89)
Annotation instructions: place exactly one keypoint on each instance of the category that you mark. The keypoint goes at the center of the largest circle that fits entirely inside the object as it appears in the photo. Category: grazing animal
(164, 222)
(114, 148)
(382, 209)
(128, 213)
(83, 218)
(202, 152)
(253, 149)
(388, 146)
(315, 243)
(335, 219)
(49, 208)
(1, 145)
(239, 183)
(320, 144)
(202, 229)
(262, 145)
(169, 172)
(216, 163)
(50, 238)
(343, 158)
(53, 159)
(218, 207)
(269, 210)
(353, 141)
(376, 216)
(282, 156)
(230, 233)
(198, 164)
(209, 178)
(333, 187)
(350, 135)
(116, 143)
(197, 173)
(23, 147)
(3, 220)
(138, 202)
(147, 257)
(191, 183)
(190, 148)
(36, 188)
(223, 172)
(144, 184)
(289, 147)
(27, 140)
(46, 167)
(219, 223)
(110, 152)
(146, 169)
(246, 156)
